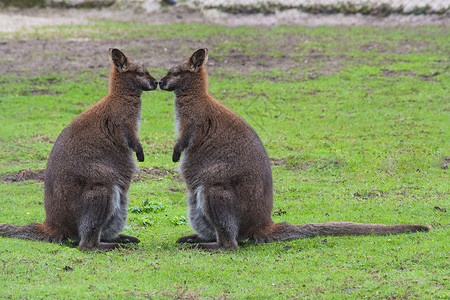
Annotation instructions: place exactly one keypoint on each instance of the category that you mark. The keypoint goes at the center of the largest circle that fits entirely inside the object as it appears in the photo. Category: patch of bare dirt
(153, 173)
(40, 92)
(278, 161)
(442, 209)
(445, 161)
(143, 174)
(25, 174)
(320, 164)
(370, 194)
(279, 212)
(55, 56)
(390, 73)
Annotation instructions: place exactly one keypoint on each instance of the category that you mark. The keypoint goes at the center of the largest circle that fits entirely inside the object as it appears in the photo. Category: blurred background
(252, 6)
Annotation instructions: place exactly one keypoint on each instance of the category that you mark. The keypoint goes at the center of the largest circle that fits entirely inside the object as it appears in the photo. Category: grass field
(355, 120)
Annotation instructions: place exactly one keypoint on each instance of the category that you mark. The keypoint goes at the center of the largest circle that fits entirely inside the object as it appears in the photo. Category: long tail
(286, 231)
(32, 231)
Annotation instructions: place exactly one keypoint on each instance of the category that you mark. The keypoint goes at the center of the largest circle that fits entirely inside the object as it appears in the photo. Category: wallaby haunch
(227, 171)
(91, 165)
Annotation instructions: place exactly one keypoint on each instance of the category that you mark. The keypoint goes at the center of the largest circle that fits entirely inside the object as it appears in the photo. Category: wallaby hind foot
(190, 239)
(121, 239)
(126, 239)
(194, 239)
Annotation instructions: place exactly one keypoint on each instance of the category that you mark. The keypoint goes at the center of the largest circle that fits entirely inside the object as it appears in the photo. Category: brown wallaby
(228, 173)
(91, 165)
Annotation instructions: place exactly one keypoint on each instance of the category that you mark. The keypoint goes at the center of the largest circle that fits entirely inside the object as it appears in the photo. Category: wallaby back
(91, 165)
(227, 170)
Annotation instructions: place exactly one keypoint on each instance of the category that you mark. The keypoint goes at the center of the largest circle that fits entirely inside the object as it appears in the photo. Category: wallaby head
(135, 76)
(189, 74)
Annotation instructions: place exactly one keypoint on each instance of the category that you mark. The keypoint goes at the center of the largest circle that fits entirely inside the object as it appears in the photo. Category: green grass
(357, 123)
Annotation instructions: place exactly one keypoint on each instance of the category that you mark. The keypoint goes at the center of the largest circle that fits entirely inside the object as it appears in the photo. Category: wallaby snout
(152, 85)
(147, 81)
(150, 82)
(163, 84)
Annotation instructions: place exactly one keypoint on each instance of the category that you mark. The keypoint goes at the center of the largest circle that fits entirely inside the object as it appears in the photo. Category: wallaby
(228, 173)
(91, 165)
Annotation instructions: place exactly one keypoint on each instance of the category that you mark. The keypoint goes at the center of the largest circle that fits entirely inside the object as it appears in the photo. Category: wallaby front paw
(140, 156)
(176, 156)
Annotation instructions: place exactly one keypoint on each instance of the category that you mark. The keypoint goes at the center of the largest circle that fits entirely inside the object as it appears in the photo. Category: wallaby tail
(286, 231)
(32, 231)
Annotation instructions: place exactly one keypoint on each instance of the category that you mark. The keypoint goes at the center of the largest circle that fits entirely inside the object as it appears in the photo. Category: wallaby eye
(140, 74)
(175, 74)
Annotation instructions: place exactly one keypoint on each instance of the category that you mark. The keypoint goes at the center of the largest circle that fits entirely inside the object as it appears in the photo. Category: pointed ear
(118, 59)
(198, 59)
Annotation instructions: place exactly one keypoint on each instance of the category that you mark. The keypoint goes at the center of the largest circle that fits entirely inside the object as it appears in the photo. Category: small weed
(146, 222)
(148, 206)
(177, 221)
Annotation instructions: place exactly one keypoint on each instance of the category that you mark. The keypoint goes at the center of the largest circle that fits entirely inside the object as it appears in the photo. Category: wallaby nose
(156, 82)
(160, 82)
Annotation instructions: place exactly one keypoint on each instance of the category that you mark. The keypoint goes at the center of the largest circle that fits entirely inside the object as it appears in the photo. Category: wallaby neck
(118, 86)
(192, 94)
(186, 100)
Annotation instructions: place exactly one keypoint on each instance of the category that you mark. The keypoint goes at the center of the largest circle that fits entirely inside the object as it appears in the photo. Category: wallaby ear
(118, 59)
(198, 59)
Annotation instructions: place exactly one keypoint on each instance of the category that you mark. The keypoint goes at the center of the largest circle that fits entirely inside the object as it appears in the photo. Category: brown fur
(228, 173)
(90, 167)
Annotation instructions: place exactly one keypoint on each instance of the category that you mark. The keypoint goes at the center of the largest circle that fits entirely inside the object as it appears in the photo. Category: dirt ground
(143, 174)
(45, 56)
